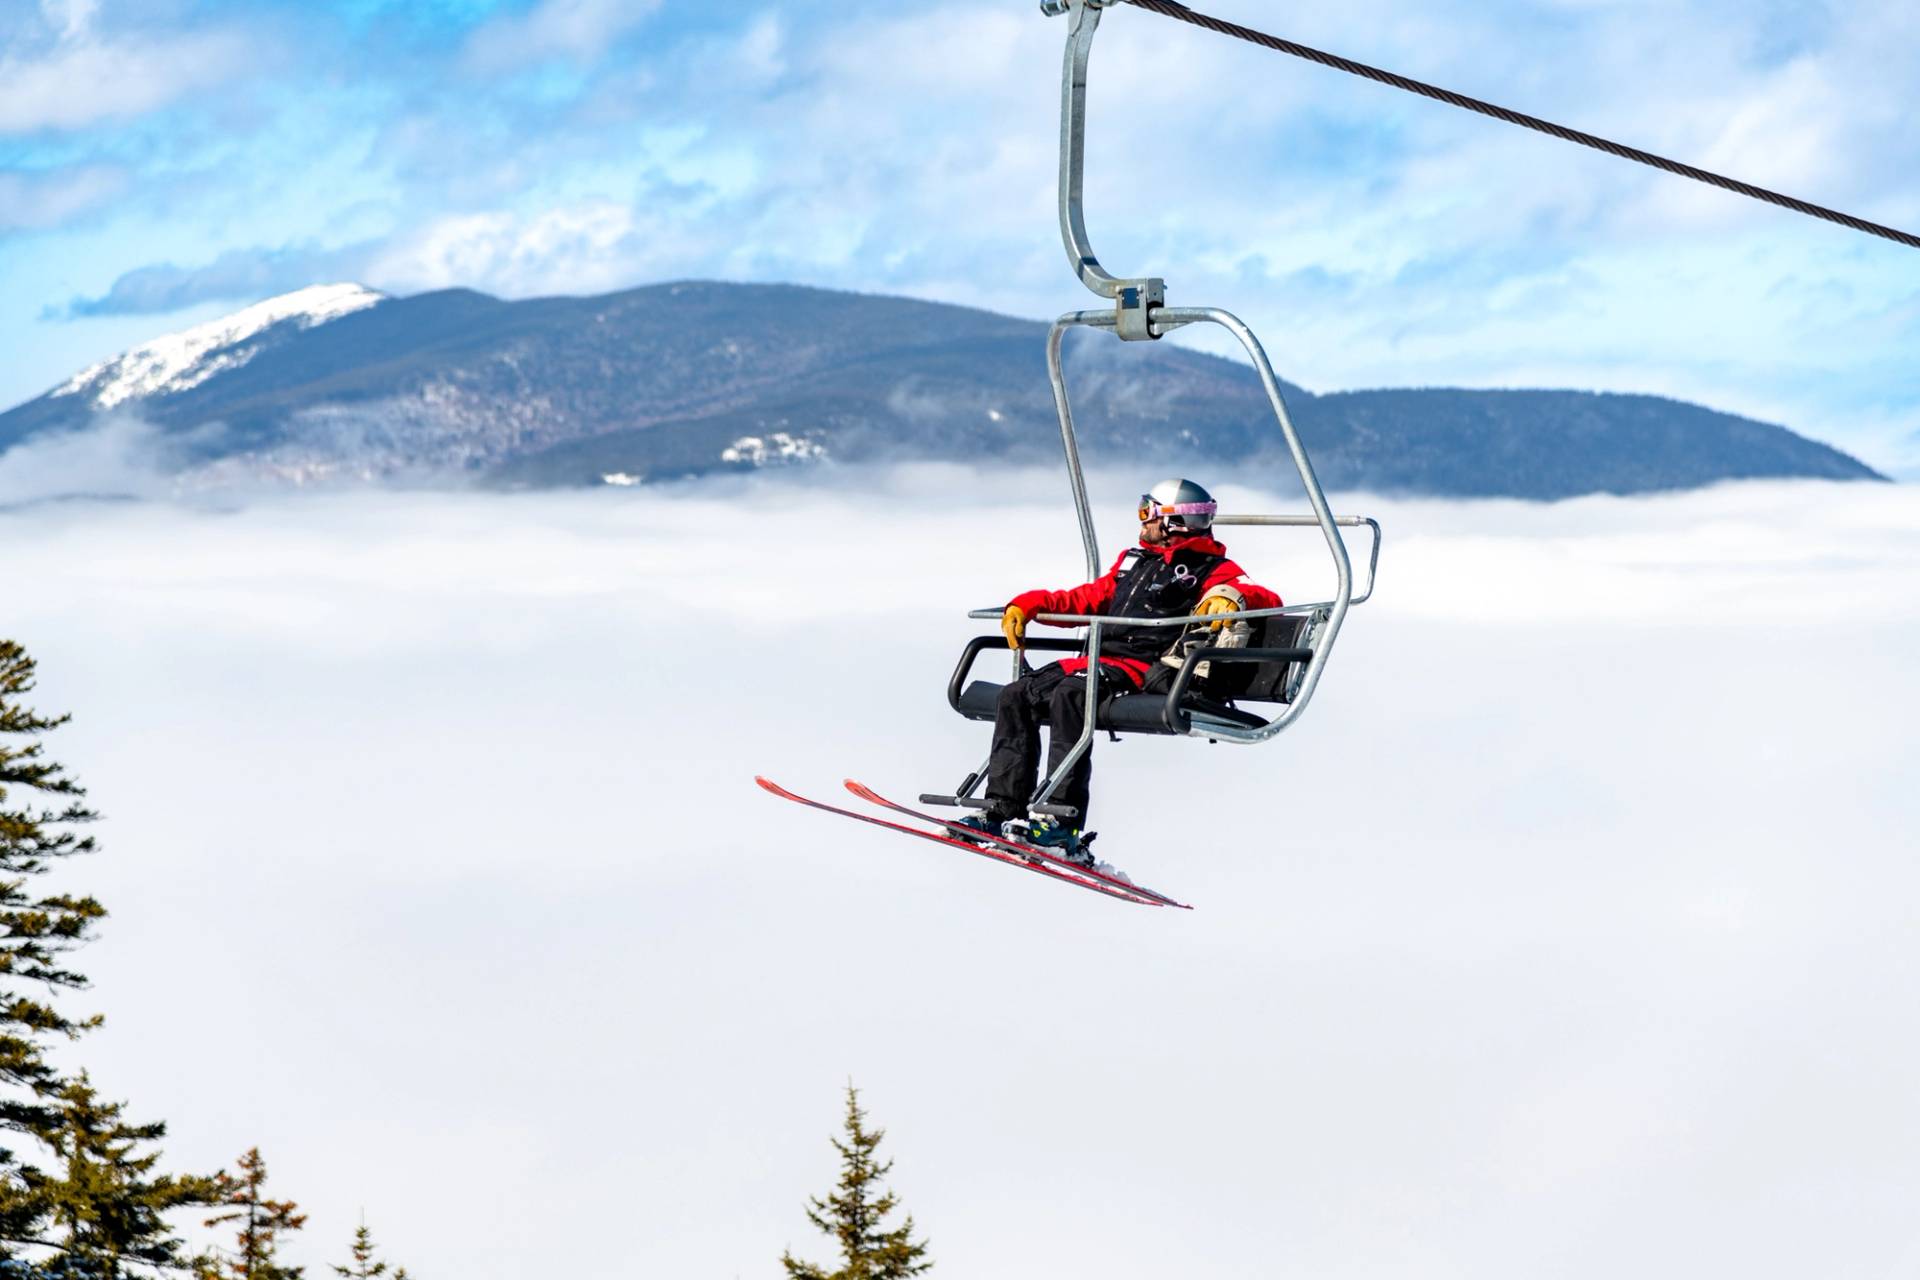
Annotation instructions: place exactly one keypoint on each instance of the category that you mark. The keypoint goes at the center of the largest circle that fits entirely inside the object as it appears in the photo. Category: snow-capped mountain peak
(187, 358)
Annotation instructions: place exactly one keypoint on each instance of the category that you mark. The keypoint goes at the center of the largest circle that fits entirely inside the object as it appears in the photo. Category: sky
(167, 161)
(1569, 932)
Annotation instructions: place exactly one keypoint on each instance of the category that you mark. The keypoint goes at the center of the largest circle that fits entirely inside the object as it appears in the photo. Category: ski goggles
(1151, 510)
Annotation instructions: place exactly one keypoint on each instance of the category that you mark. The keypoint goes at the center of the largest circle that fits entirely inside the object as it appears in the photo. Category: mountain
(339, 382)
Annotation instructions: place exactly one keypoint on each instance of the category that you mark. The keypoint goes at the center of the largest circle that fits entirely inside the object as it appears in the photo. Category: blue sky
(166, 161)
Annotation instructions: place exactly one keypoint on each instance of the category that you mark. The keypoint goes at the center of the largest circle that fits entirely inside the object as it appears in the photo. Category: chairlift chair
(1283, 663)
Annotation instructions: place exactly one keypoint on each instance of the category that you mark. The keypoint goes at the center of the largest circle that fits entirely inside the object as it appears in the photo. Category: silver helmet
(1182, 504)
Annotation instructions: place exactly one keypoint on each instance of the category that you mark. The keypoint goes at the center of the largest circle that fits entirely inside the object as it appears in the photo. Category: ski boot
(1056, 837)
(989, 825)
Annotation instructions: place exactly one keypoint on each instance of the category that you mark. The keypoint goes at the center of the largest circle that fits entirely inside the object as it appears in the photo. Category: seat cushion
(1128, 713)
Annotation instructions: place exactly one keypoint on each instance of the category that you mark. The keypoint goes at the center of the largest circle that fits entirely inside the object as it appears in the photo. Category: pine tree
(35, 933)
(262, 1223)
(106, 1208)
(79, 1200)
(363, 1266)
(854, 1213)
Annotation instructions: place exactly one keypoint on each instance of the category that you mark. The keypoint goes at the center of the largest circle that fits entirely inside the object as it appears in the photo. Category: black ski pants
(1051, 696)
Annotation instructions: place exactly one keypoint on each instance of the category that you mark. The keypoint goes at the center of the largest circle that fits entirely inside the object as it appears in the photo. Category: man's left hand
(1213, 605)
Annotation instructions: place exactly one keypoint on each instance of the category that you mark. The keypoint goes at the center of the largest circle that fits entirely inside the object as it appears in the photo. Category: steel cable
(1173, 9)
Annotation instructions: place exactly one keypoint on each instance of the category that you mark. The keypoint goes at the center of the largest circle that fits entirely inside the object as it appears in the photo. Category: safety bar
(1090, 715)
(1313, 522)
(1300, 521)
(1178, 620)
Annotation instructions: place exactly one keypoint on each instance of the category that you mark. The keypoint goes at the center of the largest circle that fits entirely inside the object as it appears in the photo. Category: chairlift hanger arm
(1134, 299)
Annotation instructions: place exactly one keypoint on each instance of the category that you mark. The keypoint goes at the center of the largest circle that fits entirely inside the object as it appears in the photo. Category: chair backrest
(1262, 681)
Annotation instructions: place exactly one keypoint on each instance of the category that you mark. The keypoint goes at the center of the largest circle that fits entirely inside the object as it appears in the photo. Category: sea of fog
(1572, 931)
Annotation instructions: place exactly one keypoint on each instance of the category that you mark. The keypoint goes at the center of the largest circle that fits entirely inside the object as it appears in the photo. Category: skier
(1177, 569)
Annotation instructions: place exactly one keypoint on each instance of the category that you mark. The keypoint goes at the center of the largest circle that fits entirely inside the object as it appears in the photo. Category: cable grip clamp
(1133, 306)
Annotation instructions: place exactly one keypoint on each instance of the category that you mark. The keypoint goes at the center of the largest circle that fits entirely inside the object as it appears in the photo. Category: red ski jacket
(1094, 597)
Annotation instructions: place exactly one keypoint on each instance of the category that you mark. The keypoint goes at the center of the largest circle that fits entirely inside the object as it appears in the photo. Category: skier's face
(1153, 532)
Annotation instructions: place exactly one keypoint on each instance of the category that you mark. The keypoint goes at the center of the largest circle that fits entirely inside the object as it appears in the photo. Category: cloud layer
(1573, 911)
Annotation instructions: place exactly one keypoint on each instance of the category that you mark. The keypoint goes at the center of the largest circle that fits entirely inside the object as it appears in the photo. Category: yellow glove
(1217, 605)
(1013, 625)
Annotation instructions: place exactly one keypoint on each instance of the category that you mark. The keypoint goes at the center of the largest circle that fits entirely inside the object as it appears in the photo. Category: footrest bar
(956, 802)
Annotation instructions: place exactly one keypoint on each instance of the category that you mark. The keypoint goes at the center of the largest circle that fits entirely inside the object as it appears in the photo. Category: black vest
(1146, 586)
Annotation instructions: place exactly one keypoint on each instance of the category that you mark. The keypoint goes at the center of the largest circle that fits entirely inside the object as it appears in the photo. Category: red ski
(1117, 889)
(1028, 852)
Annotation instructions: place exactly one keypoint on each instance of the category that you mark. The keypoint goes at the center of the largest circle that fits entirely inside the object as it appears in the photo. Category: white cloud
(762, 49)
(581, 30)
(35, 202)
(123, 78)
(586, 248)
(70, 18)
(1572, 910)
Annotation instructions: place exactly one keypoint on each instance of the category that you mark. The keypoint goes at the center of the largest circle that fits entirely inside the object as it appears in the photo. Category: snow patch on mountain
(188, 358)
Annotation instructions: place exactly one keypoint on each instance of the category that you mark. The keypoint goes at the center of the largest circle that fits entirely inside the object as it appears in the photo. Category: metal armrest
(979, 644)
(1171, 715)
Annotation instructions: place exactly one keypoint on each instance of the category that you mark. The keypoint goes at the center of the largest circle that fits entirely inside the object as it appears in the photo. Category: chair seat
(1128, 713)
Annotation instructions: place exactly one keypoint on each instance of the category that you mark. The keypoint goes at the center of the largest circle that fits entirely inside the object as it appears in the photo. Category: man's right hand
(1013, 625)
